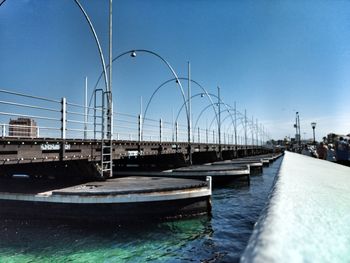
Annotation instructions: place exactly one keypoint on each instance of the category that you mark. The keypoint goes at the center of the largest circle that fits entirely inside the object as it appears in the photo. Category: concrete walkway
(308, 215)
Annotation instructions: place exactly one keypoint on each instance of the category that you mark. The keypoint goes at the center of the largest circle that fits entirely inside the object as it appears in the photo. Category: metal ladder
(105, 166)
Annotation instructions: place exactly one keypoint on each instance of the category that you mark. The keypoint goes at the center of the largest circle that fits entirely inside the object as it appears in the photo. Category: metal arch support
(211, 123)
(228, 108)
(171, 69)
(223, 111)
(221, 102)
(193, 96)
(186, 101)
(97, 42)
(161, 58)
(250, 125)
(200, 115)
(154, 92)
(209, 94)
(114, 59)
(241, 123)
(104, 70)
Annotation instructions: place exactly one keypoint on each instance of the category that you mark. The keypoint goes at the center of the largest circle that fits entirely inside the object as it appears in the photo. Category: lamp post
(297, 129)
(313, 125)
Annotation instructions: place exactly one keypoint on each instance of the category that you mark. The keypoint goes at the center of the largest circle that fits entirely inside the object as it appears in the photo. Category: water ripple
(219, 238)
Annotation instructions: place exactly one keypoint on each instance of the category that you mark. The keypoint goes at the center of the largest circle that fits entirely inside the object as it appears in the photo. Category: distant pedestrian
(331, 153)
(306, 151)
(342, 152)
(322, 151)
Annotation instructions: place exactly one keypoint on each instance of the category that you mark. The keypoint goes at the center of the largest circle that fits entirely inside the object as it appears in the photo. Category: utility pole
(189, 151)
(245, 131)
(235, 130)
(85, 110)
(219, 127)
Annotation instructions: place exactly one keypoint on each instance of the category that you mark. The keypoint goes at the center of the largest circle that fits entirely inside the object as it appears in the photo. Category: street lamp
(297, 129)
(313, 125)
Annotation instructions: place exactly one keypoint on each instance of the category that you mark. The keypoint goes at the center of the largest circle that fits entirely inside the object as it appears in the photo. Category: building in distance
(23, 127)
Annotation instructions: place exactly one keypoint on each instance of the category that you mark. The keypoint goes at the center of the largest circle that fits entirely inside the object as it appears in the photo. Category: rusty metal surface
(34, 150)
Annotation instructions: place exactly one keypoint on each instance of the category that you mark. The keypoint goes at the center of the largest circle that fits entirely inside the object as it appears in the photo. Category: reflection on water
(34, 241)
(219, 238)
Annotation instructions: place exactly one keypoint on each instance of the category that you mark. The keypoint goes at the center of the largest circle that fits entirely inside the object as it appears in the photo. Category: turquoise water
(219, 238)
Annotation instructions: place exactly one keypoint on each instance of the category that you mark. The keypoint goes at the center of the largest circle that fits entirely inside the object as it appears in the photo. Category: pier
(119, 200)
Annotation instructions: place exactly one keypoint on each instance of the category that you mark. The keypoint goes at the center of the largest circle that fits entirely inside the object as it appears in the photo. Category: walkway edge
(307, 217)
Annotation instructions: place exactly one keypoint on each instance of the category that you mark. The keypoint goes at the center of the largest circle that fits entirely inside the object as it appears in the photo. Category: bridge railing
(20, 115)
(125, 126)
(27, 116)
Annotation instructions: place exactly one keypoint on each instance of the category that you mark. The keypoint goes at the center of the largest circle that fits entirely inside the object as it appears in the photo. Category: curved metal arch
(98, 45)
(243, 117)
(240, 118)
(104, 69)
(250, 125)
(102, 73)
(223, 111)
(162, 59)
(203, 110)
(220, 102)
(244, 134)
(200, 115)
(186, 102)
(211, 94)
(230, 127)
(193, 96)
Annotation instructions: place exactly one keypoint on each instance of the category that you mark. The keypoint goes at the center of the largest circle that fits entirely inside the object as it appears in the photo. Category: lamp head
(133, 54)
(313, 125)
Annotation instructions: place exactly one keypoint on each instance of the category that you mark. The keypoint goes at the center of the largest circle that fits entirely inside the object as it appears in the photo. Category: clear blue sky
(272, 57)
